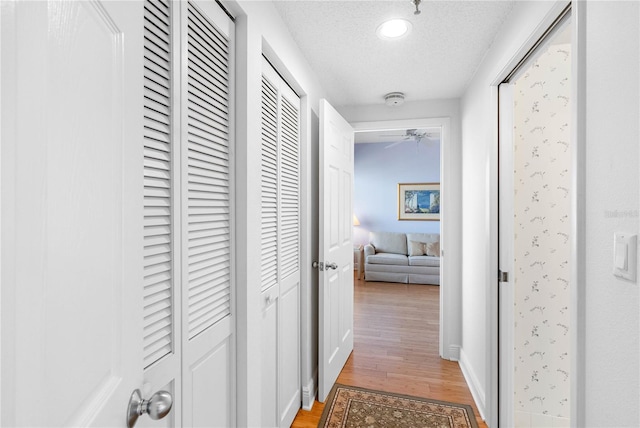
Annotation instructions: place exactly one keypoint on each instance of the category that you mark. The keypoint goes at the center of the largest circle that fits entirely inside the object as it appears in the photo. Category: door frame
(449, 315)
(496, 318)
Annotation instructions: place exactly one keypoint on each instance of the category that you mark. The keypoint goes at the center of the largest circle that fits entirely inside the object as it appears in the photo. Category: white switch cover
(624, 255)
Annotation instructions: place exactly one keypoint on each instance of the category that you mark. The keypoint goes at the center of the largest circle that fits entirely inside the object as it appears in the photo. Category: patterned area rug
(351, 407)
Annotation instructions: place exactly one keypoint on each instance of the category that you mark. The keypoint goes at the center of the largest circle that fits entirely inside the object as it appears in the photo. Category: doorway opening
(431, 128)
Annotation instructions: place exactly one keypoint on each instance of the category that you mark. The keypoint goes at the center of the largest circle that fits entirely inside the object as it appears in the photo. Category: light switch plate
(624, 255)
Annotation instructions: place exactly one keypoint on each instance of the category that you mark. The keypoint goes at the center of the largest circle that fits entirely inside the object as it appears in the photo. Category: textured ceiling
(436, 60)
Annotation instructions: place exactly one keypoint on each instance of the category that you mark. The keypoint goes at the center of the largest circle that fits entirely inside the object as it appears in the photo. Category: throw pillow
(433, 249)
(416, 248)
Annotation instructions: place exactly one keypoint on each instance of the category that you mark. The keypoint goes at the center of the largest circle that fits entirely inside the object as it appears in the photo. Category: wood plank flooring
(396, 347)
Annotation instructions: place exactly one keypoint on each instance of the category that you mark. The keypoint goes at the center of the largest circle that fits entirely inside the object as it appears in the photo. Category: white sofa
(402, 257)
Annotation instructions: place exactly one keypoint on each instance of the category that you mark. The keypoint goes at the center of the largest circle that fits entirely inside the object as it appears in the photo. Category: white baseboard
(474, 384)
(454, 352)
(309, 392)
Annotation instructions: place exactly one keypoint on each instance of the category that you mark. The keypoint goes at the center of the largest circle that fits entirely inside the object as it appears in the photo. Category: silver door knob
(331, 266)
(157, 407)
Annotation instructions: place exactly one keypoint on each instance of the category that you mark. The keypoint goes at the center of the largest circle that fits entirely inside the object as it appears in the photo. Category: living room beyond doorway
(427, 144)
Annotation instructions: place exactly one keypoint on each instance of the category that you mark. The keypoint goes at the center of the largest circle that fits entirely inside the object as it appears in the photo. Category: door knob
(157, 407)
(324, 266)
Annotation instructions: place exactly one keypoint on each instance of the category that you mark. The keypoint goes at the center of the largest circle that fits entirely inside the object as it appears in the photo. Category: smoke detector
(393, 99)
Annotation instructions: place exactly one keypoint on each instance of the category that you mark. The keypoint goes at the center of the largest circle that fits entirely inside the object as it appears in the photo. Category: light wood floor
(396, 347)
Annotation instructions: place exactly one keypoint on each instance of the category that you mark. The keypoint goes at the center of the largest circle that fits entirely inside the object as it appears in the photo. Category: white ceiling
(436, 60)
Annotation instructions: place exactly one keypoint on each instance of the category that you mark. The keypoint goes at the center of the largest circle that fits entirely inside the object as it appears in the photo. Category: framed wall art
(419, 201)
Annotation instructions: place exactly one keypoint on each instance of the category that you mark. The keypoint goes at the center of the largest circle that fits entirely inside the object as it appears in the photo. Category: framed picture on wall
(419, 201)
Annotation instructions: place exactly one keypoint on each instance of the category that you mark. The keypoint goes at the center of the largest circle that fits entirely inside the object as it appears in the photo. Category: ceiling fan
(412, 134)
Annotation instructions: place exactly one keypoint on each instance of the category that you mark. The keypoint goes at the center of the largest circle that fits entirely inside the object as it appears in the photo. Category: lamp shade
(356, 222)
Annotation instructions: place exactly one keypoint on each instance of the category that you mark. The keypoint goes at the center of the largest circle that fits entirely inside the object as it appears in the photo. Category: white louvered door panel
(280, 242)
(269, 171)
(158, 241)
(289, 187)
(289, 397)
(208, 351)
(162, 350)
(208, 228)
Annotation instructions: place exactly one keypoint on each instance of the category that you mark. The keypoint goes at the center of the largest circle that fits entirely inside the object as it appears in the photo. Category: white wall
(377, 171)
(612, 384)
(612, 187)
(259, 29)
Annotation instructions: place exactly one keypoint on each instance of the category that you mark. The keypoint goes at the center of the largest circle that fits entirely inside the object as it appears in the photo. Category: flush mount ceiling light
(394, 99)
(393, 29)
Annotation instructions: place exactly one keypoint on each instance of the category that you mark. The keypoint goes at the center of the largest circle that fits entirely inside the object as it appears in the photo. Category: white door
(188, 322)
(208, 326)
(535, 231)
(336, 247)
(161, 284)
(72, 220)
(280, 250)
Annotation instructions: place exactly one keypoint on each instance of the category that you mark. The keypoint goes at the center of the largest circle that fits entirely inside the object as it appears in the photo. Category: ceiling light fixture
(394, 99)
(393, 29)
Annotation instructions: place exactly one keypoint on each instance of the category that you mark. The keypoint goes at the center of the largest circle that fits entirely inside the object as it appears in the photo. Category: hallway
(396, 347)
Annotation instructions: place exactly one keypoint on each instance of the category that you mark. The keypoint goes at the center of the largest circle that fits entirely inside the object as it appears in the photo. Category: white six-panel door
(72, 212)
(336, 247)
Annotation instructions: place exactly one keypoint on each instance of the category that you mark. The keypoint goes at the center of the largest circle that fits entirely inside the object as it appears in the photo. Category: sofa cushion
(389, 242)
(421, 270)
(423, 237)
(417, 248)
(432, 249)
(424, 261)
(388, 259)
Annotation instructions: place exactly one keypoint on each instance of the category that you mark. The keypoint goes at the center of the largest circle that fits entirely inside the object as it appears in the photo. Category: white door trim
(448, 349)
(505, 257)
(578, 77)
(578, 212)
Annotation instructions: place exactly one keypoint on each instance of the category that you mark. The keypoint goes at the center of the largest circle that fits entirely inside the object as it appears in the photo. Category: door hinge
(503, 276)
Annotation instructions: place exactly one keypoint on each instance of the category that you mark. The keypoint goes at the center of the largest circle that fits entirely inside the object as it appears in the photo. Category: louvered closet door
(208, 368)
(162, 350)
(188, 284)
(280, 245)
